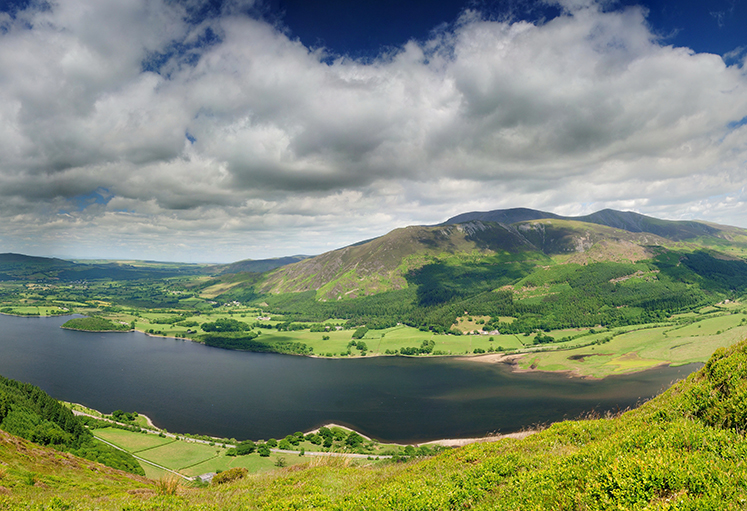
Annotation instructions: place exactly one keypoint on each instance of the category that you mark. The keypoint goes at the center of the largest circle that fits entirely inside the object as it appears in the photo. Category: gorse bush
(718, 394)
(232, 474)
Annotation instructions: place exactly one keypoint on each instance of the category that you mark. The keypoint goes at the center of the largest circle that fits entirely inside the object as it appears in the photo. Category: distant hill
(260, 265)
(24, 267)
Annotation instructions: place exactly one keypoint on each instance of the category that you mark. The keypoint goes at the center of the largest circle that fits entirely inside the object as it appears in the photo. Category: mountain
(503, 216)
(387, 262)
(19, 266)
(625, 220)
(383, 263)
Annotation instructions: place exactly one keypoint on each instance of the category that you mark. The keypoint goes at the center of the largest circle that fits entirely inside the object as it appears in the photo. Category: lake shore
(97, 331)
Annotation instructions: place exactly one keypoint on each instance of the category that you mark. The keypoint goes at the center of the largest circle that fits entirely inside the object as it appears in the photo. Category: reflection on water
(187, 387)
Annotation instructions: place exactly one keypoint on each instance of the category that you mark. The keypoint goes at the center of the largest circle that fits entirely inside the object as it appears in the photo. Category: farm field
(645, 348)
(191, 458)
(186, 457)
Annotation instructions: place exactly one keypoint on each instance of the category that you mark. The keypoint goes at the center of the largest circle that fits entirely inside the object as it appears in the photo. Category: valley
(509, 282)
(456, 330)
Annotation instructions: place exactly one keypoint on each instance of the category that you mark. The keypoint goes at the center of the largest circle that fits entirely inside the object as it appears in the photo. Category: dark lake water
(190, 388)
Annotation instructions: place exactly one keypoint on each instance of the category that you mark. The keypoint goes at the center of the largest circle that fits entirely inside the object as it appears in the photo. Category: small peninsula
(94, 324)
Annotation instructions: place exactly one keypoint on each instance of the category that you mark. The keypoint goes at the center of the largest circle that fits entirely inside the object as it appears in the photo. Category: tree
(225, 325)
(246, 447)
(360, 332)
(353, 439)
(263, 450)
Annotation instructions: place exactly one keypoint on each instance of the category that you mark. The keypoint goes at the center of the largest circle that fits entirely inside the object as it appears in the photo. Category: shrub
(232, 474)
(167, 485)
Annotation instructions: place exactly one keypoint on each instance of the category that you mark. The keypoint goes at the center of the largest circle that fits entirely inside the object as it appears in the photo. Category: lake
(191, 388)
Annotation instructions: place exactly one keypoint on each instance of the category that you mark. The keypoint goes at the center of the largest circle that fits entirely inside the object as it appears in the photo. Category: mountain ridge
(626, 220)
(383, 263)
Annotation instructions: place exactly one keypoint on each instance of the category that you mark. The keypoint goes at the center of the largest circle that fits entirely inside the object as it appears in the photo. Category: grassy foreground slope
(683, 450)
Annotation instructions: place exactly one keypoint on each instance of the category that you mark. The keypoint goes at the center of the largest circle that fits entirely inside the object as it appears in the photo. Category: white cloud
(294, 150)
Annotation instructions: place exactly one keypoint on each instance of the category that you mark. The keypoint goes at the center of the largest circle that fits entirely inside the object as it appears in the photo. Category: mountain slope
(382, 264)
(258, 266)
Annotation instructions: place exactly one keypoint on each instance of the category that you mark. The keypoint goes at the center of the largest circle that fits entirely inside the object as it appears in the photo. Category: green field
(645, 348)
(178, 455)
(195, 458)
(254, 463)
(132, 442)
(35, 310)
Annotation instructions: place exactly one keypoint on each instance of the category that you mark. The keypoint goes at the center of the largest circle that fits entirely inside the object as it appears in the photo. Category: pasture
(644, 347)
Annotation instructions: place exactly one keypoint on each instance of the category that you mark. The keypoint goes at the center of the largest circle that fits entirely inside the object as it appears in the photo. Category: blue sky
(200, 130)
(364, 27)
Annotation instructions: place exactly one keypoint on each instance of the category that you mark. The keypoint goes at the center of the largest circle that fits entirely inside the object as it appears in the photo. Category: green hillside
(611, 269)
(388, 262)
(685, 449)
(28, 412)
(382, 264)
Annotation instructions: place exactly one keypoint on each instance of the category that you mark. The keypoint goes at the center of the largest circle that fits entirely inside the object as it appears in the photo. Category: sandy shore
(446, 442)
(494, 358)
(461, 442)
(333, 425)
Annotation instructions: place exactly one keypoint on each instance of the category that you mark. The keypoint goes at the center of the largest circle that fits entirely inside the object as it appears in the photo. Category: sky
(221, 130)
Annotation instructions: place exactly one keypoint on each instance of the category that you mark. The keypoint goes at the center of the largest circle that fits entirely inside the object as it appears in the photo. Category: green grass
(643, 348)
(130, 441)
(181, 454)
(191, 458)
(155, 473)
(35, 310)
(254, 463)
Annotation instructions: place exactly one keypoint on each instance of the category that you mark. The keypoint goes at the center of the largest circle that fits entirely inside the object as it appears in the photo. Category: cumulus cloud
(224, 137)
